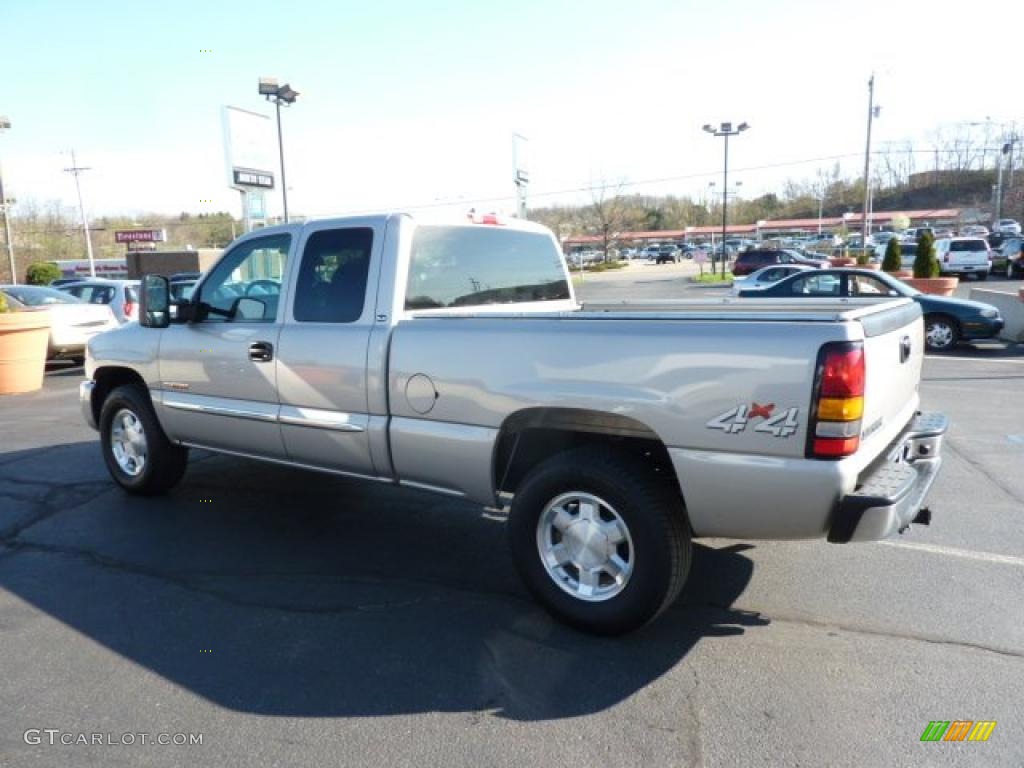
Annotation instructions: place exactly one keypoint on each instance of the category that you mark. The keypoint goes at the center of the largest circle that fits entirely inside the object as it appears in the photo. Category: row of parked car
(80, 307)
(948, 320)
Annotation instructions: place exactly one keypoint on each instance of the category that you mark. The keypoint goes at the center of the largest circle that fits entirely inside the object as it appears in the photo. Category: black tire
(78, 360)
(982, 275)
(935, 340)
(649, 507)
(165, 462)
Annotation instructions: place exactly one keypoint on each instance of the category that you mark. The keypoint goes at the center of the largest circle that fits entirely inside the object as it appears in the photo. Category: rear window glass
(473, 266)
(94, 294)
(968, 245)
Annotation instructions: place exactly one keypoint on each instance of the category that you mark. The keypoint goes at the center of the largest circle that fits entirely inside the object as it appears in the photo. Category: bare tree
(610, 213)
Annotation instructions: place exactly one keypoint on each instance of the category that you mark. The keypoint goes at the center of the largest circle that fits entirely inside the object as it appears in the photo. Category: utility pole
(75, 170)
(521, 172)
(999, 181)
(4, 206)
(865, 226)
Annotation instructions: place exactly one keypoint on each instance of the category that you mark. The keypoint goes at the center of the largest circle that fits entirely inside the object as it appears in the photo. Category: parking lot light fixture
(5, 124)
(725, 130)
(279, 94)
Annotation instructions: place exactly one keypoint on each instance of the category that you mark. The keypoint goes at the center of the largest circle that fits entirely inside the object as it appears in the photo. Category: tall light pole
(75, 170)
(872, 113)
(725, 130)
(279, 94)
(5, 124)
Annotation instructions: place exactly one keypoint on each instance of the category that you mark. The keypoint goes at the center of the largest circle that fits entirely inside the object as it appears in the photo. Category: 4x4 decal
(735, 420)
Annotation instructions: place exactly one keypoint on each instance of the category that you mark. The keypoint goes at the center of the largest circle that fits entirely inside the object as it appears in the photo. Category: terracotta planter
(23, 340)
(842, 261)
(870, 265)
(901, 273)
(937, 286)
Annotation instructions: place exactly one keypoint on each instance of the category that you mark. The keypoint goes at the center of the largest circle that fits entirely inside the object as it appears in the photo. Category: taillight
(127, 308)
(837, 405)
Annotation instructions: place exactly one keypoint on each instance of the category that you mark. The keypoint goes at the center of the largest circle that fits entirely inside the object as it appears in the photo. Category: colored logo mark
(958, 730)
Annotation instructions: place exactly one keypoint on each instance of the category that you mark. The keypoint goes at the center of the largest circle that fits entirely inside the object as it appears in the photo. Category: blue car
(947, 321)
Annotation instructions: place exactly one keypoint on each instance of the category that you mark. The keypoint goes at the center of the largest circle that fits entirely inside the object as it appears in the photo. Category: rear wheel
(940, 333)
(138, 454)
(982, 275)
(600, 540)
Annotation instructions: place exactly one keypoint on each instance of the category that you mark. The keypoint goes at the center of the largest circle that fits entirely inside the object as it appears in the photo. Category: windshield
(37, 296)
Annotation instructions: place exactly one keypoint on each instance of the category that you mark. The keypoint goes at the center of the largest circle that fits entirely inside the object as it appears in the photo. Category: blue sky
(416, 103)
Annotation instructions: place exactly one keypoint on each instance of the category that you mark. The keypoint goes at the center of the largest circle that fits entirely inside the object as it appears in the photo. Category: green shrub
(925, 263)
(3, 303)
(42, 273)
(893, 261)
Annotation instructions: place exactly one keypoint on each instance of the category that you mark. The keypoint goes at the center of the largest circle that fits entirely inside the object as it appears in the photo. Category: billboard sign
(140, 236)
(248, 149)
(252, 179)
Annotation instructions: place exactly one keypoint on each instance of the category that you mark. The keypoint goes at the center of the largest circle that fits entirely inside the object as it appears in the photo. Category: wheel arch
(532, 435)
(107, 379)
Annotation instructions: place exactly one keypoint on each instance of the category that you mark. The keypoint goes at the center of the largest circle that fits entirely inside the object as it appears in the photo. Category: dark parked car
(946, 320)
(668, 254)
(751, 261)
(1009, 258)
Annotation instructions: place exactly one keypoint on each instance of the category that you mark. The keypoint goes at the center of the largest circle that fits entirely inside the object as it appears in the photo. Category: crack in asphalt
(59, 498)
(923, 638)
(952, 444)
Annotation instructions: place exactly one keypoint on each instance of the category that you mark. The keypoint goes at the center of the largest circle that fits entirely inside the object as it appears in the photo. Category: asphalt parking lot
(296, 619)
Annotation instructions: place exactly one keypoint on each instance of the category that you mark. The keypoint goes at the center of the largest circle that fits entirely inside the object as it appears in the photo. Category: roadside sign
(140, 236)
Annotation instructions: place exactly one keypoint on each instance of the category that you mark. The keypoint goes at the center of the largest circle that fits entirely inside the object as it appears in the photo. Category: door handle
(261, 351)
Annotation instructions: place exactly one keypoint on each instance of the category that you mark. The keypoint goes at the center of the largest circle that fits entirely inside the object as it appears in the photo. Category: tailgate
(893, 356)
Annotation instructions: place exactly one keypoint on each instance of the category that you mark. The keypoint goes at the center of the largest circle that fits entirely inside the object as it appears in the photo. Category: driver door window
(246, 285)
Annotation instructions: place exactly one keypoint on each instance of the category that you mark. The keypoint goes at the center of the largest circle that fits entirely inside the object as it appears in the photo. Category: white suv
(964, 256)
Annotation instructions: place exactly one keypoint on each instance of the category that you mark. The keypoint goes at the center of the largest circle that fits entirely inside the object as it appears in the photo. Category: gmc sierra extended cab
(454, 357)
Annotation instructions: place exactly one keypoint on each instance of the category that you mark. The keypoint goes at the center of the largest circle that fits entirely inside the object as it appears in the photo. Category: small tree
(42, 273)
(925, 263)
(893, 260)
(3, 303)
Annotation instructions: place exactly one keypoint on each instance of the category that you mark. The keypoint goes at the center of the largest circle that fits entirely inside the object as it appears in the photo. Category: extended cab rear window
(474, 266)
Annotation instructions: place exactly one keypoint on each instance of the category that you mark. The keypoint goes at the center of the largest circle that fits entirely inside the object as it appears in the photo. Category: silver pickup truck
(454, 357)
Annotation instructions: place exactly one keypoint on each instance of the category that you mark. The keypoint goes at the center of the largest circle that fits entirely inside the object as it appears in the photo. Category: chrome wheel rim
(585, 546)
(128, 442)
(940, 335)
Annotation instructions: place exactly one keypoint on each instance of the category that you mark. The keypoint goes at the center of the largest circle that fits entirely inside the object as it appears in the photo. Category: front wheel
(600, 539)
(940, 333)
(138, 454)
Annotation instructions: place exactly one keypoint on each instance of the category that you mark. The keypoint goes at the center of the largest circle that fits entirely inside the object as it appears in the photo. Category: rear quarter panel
(674, 376)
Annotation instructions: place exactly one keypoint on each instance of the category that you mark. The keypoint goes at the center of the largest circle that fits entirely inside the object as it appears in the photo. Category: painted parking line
(966, 554)
(975, 359)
